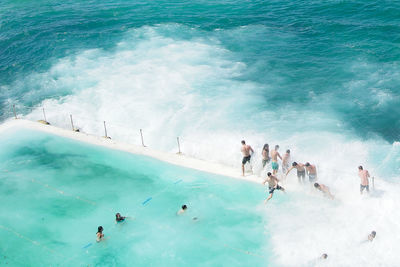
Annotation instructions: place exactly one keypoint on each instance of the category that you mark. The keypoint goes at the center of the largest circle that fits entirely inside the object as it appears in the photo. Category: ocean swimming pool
(55, 192)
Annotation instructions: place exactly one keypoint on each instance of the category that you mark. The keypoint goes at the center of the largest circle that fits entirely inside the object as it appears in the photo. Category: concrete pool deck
(176, 159)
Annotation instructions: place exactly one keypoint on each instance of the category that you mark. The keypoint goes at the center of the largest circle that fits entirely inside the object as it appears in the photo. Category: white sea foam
(189, 88)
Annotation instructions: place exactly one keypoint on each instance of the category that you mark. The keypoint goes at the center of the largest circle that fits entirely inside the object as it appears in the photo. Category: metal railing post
(44, 115)
(15, 114)
(141, 135)
(373, 182)
(179, 146)
(105, 129)
(72, 123)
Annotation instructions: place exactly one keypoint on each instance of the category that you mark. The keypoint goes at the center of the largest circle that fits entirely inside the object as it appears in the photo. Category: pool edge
(175, 159)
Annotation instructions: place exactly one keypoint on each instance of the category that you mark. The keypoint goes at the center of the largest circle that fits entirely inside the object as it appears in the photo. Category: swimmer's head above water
(371, 236)
(118, 217)
(182, 210)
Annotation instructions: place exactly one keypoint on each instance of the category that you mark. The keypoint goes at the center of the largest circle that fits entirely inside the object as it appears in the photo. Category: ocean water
(56, 192)
(317, 77)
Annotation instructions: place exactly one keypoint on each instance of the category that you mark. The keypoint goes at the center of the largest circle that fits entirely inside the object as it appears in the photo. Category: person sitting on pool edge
(99, 234)
(182, 210)
(273, 185)
(119, 218)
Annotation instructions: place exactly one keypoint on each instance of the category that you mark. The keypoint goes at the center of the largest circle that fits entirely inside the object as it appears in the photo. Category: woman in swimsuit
(99, 234)
(265, 155)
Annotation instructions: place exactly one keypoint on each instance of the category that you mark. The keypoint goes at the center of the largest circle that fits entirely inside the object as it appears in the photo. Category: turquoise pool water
(55, 192)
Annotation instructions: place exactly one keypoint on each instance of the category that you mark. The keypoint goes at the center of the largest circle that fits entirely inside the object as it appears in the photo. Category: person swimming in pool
(371, 236)
(324, 189)
(272, 185)
(246, 150)
(311, 172)
(274, 157)
(119, 218)
(182, 210)
(99, 234)
(301, 171)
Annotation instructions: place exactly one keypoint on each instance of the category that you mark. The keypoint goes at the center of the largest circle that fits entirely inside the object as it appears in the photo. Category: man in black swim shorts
(272, 189)
(272, 185)
(246, 149)
(246, 159)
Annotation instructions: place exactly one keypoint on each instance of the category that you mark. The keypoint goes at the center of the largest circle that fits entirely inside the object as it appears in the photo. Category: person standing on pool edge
(311, 172)
(265, 155)
(301, 171)
(246, 149)
(274, 156)
(364, 175)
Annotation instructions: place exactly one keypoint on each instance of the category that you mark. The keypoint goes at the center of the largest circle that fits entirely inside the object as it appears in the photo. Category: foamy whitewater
(318, 91)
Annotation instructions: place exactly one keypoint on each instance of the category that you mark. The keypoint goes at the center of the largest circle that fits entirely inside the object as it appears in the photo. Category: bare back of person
(246, 150)
(311, 169)
(324, 188)
(364, 177)
(274, 155)
(286, 159)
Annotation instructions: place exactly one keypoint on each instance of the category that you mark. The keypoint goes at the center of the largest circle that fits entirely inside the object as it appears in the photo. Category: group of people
(272, 180)
(303, 170)
(272, 156)
(119, 218)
